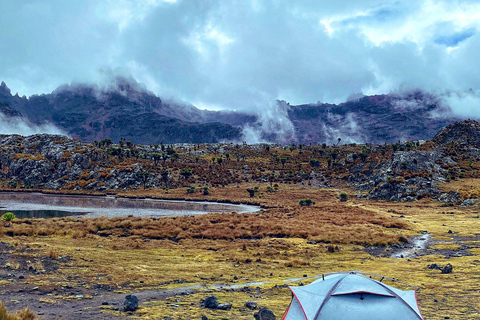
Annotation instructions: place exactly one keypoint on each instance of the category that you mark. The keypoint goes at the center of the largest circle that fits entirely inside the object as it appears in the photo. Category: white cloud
(235, 54)
(15, 125)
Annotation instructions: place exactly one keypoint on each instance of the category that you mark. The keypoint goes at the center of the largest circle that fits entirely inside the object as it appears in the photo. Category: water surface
(39, 205)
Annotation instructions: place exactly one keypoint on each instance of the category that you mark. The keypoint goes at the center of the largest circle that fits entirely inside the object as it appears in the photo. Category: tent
(351, 296)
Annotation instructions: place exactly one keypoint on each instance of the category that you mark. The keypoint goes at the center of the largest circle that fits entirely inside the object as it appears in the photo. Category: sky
(227, 54)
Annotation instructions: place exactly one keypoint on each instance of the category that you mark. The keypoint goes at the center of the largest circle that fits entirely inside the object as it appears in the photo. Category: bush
(8, 217)
(306, 202)
(191, 190)
(343, 197)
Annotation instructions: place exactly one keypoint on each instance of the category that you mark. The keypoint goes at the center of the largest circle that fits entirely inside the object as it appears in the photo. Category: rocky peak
(465, 132)
(4, 90)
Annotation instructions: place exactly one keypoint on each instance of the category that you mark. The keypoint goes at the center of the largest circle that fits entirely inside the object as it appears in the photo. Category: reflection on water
(110, 206)
(20, 214)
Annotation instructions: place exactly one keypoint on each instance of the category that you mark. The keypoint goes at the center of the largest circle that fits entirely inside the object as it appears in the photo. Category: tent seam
(301, 306)
(328, 296)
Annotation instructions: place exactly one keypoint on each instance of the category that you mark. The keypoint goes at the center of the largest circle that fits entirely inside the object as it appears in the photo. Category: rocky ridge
(408, 172)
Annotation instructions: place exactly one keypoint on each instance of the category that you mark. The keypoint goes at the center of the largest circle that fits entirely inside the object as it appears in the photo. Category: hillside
(399, 171)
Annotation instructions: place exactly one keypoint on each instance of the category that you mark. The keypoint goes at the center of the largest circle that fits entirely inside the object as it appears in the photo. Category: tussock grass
(328, 222)
(24, 314)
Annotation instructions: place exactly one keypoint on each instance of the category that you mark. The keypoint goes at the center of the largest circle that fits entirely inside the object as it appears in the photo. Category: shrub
(314, 163)
(191, 190)
(8, 217)
(206, 191)
(343, 197)
(306, 202)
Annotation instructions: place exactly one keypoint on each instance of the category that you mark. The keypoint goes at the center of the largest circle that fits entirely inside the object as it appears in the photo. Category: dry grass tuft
(24, 314)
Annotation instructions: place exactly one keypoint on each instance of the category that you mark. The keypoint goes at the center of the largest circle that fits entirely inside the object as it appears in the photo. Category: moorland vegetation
(324, 209)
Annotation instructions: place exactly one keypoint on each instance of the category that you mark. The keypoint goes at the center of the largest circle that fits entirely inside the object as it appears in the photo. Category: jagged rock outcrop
(55, 161)
(411, 175)
(465, 133)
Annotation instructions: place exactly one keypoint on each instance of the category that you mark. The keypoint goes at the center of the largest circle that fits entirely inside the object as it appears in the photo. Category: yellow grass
(130, 259)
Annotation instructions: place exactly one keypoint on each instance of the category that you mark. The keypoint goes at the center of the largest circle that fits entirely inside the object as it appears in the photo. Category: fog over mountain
(127, 109)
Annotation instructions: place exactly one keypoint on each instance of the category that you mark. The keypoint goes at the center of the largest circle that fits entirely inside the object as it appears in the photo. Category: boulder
(447, 269)
(130, 303)
(210, 302)
(224, 306)
(450, 197)
(264, 314)
(252, 305)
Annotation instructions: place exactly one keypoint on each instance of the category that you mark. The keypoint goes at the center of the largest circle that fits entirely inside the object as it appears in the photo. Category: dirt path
(84, 306)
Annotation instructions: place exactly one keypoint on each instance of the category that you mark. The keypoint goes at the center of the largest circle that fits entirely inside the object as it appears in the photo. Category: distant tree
(174, 157)
(314, 163)
(186, 172)
(144, 175)
(206, 191)
(164, 174)
(156, 157)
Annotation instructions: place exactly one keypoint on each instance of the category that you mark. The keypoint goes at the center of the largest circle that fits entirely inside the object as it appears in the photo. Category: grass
(24, 314)
(132, 254)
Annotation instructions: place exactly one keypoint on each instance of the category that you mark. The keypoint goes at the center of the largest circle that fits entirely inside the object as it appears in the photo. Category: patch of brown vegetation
(328, 222)
(24, 314)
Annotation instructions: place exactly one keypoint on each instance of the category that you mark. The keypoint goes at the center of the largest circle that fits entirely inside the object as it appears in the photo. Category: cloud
(243, 55)
(16, 125)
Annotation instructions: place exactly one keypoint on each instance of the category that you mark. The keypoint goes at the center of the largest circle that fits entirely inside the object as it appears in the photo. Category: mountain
(372, 119)
(124, 108)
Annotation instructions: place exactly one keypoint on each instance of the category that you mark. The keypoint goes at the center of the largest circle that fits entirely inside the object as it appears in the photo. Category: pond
(39, 205)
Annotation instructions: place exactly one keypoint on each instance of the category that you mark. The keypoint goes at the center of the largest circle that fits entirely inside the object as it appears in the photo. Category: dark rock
(434, 266)
(447, 269)
(130, 303)
(462, 132)
(450, 197)
(264, 314)
(204, 317)
(252, 305)
(210, 302)
(224, 306)
(105, 303)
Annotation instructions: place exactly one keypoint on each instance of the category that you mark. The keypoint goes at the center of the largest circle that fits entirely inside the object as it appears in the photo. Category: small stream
(417, 246)
(39, 205)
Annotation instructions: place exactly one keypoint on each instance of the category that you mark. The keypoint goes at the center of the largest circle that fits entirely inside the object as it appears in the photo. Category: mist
(16, 125)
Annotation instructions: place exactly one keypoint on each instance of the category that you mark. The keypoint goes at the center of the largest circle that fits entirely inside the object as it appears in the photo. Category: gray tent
(351, 296)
